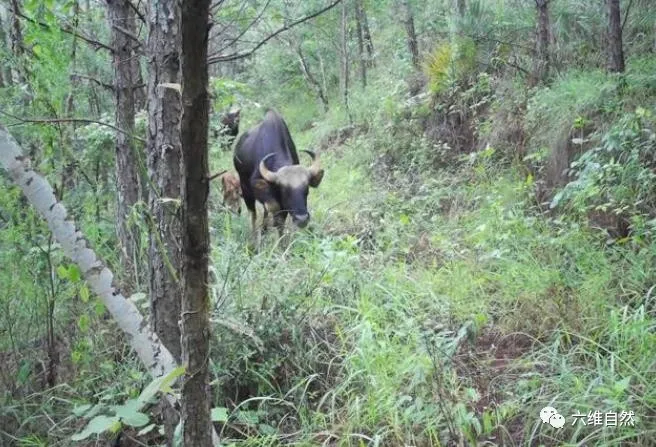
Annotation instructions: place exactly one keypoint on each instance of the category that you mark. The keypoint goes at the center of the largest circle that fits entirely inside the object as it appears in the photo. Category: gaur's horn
(265, 173)
(315, 167)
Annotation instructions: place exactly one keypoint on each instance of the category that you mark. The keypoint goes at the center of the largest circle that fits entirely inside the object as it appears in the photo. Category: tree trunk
(369, 44)
(615, 52)
(541, 70)
(309, 77)
(5, 72)
(411, 39)
(18, 49)
(462, 7)
(164, 159)
(16, 34)
(128, 180)
(195, 230)
(345, 62)
(360, 33)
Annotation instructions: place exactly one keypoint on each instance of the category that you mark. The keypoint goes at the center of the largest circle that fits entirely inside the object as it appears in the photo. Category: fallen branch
(152, 353)
(150, 350)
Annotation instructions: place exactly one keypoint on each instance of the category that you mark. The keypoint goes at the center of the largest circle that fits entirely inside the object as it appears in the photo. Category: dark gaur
(270, 173)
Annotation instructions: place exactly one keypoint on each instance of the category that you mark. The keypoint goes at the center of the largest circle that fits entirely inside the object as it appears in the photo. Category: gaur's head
(291, 185)
(231, 192)
(231, 121)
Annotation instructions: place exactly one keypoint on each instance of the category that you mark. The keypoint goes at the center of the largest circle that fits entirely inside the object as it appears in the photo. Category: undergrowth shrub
(617, 179)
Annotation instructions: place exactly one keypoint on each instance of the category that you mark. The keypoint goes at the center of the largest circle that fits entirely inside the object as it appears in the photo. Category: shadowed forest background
(482, 244)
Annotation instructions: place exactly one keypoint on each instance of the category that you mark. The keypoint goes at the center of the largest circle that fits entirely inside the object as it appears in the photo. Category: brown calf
(231, 192)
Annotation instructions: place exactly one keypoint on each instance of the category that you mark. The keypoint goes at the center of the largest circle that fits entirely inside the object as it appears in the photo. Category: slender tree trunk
(541, 70)
(16, 34)
(360, 34)
(462, 7)
(128, 180)
(18, 47)
(411, 39)
(68, 173)
(345, 62)
(615, 52)
(164, 160)
(5, 72)
(195, 230)
(369, 44)
(309, 77)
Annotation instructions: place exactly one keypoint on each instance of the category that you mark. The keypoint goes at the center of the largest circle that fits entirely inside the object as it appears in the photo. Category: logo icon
(549, 415)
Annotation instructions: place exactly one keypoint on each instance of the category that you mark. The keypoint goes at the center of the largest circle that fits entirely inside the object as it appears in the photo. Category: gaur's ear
(315, 180)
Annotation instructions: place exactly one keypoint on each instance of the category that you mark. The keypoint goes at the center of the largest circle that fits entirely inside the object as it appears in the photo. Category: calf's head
(231, 192)
(291, 185)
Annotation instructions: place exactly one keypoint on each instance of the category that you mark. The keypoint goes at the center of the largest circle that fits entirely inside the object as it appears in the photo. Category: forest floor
(432, 308)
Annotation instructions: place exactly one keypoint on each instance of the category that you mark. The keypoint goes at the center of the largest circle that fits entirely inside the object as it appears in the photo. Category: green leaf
(74, 273)
(24, 371)
(220, 414)
(622, 385)
(248, 417)
(98, 425)
(84, 294)
(99, 307)
(83, 323)
(62, 272)
(80, 410)
(129, 413)
(160, 384)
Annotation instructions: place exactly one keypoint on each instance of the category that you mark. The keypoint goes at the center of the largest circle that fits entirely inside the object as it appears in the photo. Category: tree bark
(411, 39)
(615, 52)
(5, 72)
(16, 33)
(128, 180)
(541, 70)
(139, 90)
(345, 61)
(18, 49)
(164, 159)
(360, 35)
(462, 7)
(195, 230)
(369, 44)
